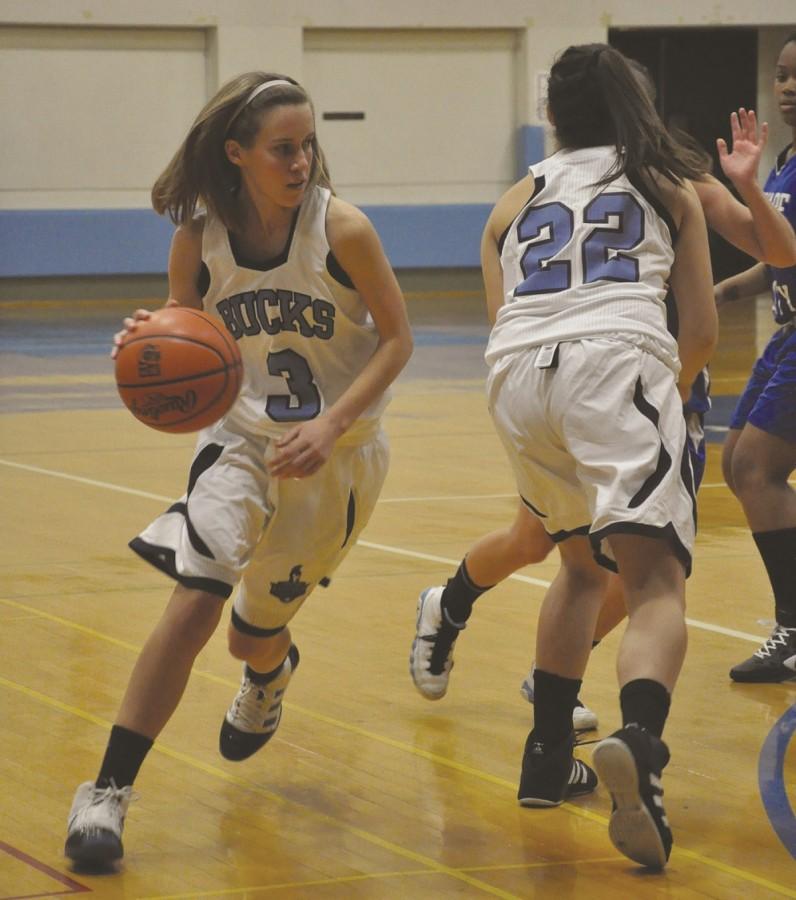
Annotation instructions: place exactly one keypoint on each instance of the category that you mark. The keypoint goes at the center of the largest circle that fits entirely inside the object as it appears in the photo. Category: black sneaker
(551, 775)
(629, 764)
(774, 662)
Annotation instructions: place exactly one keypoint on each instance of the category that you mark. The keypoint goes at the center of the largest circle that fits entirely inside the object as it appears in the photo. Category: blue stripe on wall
(40, 243)
(530, 147)
(45, 242)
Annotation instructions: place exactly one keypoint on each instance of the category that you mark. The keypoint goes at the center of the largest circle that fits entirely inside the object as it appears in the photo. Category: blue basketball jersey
(780, 188)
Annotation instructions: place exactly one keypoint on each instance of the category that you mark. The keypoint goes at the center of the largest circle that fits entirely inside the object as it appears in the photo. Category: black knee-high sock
(460, 594)
(778, 551)
(124, 755)
(553, 701)
(646, 703)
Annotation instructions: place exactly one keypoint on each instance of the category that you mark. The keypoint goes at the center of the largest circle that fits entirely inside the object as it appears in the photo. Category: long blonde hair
(200, 173)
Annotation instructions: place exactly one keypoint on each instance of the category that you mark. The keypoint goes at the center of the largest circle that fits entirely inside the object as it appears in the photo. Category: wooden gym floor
(368, 790)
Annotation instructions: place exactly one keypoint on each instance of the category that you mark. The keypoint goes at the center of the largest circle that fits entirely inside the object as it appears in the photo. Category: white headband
(264, 86)
(258, 90)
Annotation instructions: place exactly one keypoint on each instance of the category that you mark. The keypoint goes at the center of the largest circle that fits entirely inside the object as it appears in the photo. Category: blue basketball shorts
(769, 398)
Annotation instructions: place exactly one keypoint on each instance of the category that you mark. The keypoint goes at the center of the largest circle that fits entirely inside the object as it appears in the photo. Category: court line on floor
(370, 545)
(72, 886)
(349, 879)
(771, 779)
(432, 866)
(480, 775)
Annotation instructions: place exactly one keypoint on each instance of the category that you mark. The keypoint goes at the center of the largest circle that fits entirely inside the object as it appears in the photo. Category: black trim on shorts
(244, 627)
(193, 535)
(664, 532)
(563, 535)
(163, 558)
(532, 508)
(350, 518)
(204, 459)
(687, 476)
(664, 459)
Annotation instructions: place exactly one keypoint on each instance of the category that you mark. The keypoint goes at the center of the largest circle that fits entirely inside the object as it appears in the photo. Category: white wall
(95, 95)
(439, 113)
(89, 113)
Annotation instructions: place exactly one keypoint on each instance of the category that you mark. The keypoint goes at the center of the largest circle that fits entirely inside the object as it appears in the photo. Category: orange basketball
(178, 371)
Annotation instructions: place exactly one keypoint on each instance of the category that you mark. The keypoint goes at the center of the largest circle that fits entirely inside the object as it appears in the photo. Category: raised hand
(740, 163)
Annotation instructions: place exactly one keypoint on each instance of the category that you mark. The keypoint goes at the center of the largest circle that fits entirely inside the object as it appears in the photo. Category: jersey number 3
(551, 226)
(303, 402)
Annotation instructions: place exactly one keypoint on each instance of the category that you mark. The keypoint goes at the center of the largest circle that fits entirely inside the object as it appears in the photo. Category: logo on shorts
(290, 590)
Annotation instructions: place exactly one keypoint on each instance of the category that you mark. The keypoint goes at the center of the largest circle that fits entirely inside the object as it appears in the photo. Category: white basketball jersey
(584, 259)
(302, 334)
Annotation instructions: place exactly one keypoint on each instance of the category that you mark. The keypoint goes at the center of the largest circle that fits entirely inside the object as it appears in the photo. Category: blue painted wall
(40, 243)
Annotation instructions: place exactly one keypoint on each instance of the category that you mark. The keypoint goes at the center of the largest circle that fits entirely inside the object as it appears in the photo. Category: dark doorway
(701, 75)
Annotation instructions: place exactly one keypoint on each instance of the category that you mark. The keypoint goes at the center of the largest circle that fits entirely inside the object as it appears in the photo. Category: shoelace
(98, 797)
(252, 704)
(111, 792)
(780, 637)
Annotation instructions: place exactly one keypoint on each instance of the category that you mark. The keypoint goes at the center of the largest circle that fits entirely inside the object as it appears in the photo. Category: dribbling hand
(128, 326)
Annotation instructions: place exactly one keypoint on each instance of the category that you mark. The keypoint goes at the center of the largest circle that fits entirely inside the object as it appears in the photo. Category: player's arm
(491, 269)
(503, 214)
(757, 228)
(748, 283)
(185, 261)
(692, 283)
(357, 248)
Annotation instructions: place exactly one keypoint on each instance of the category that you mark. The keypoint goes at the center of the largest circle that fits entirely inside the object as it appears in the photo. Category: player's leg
(202, 542)
(761, 466)
(646, 523)
(442, 612)
(156, 685)
(314, 523)
(269, 660)
(759, 462)
(563, 641)
(631, 761)
(613, 609)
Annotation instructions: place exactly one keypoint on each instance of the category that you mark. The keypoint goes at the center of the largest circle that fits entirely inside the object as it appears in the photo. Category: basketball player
(760, 451)
(759, 230)
(585, 388)
(282, 485)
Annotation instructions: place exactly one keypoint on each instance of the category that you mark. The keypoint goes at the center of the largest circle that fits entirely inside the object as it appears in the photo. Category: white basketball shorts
(280, 536)
(597, 442)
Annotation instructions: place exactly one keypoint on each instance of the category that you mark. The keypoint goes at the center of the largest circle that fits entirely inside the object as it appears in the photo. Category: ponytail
(596, 99)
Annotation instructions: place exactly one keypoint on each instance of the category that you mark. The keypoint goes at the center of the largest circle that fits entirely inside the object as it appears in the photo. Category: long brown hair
(200, 173)
(687, 147)
(596, 99)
